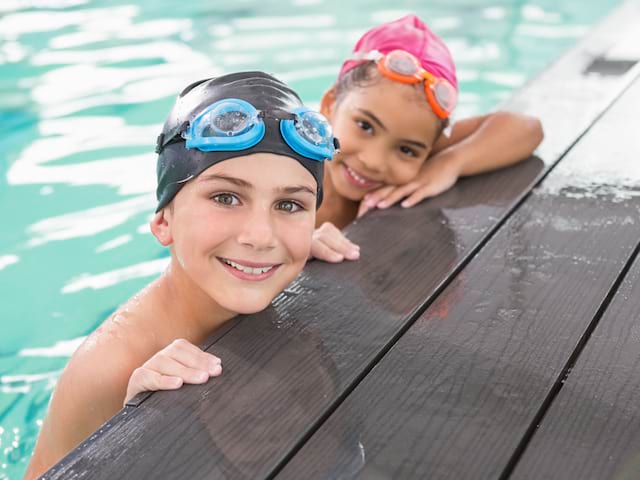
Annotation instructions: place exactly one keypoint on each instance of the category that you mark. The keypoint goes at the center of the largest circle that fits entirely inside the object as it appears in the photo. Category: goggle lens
(228, 119)
(314, 128)
(445, 95)
(230, 123)
(402, 63)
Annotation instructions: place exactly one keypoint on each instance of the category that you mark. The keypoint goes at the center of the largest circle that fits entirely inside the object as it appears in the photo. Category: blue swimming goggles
(232, 124)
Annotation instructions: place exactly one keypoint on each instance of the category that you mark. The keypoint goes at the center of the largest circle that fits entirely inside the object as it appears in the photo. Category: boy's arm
(488, 142)
(103, 374)
(86, 396)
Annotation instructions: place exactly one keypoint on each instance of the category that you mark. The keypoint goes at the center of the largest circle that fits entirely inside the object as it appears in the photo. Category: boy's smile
(250, 271)
(241, 231)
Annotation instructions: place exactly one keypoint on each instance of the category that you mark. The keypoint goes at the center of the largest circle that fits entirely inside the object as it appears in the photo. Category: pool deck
(491, 332)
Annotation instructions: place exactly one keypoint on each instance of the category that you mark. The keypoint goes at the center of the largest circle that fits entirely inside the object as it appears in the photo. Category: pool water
(84, 88)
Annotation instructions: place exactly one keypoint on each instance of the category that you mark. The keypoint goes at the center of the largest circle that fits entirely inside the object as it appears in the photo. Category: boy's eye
(227, 199)
(364, 126)
(410, 152)
(289, 206)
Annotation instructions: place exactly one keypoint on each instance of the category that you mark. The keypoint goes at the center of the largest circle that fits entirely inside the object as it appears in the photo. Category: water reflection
(84, 86)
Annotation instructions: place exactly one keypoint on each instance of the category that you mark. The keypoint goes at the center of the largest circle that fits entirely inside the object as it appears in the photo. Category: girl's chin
(350, 192)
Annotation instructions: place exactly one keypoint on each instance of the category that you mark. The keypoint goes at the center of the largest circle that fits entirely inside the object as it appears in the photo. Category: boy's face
(386, 131)
(242, 229)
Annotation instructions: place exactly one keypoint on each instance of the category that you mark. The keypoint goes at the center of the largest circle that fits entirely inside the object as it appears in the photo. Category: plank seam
(566, 370)
(413, 317)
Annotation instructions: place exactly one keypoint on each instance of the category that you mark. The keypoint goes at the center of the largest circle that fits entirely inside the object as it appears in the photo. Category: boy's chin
(245, 306)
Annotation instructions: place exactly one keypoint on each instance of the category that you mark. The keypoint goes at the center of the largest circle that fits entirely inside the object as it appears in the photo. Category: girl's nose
(374, 160)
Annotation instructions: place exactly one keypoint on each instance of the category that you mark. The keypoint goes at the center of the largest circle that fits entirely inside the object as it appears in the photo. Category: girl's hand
(329, 244)
(438, 174)
(178, 363)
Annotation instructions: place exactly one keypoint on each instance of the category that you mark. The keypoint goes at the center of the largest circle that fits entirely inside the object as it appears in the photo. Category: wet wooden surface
(337, 381)
(289, 366)
(460, 392)
(592, 430)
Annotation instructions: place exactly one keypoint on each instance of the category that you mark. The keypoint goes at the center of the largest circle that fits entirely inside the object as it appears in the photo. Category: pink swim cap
(408, 33)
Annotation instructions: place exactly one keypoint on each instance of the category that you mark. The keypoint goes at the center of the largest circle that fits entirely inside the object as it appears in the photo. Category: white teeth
(249, 270)
(358, 178)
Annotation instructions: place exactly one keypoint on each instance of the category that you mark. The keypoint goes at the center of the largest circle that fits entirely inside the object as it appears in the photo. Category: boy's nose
(257, 230)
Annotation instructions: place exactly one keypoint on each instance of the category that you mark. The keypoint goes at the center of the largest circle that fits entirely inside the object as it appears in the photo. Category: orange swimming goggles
(402, 66)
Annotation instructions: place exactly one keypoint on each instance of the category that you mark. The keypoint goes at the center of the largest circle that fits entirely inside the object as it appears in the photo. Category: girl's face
(242, 229)
(386, 131)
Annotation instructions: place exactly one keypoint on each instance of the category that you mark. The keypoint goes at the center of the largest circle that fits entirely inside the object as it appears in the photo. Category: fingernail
(337, 257)
(382, 205)
(176, 382)
(353, 254)
(214, 364)
(406, 204)
(215, 371)
(202, 377)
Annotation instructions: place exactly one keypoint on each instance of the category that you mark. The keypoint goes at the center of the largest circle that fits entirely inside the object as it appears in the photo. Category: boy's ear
(328, 103)
(160, 227)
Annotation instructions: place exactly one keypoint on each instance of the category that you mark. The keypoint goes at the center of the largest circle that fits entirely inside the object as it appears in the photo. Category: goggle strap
(171, 136)
(277, 115)
(373, 55)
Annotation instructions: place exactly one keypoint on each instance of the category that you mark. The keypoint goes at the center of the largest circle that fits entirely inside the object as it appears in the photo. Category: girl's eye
(226, 199)
(410, 152)
(289, 206)
(365, 126)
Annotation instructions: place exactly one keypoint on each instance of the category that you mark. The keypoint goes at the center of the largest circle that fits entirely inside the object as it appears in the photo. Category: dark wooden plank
(592, 430)
(288, 367)
(458, 392)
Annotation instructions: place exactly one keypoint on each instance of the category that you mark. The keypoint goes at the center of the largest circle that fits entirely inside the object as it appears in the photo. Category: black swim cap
(177, 164)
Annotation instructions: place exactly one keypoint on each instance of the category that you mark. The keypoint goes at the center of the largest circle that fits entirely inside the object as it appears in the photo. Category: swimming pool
(84, 87)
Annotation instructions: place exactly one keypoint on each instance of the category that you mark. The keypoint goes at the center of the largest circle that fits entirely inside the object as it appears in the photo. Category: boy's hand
(178, 363)
(329, 244)
(438, 174)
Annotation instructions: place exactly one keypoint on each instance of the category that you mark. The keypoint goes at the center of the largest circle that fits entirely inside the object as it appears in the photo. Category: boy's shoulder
(92, 386)
(120, 344)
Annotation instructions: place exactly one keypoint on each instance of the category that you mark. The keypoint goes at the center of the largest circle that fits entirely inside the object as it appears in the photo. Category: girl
(391, 108)
(239, 179)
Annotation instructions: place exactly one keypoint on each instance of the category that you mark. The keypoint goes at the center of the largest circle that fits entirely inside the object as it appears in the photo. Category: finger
(419, 195)
(362, 209)
(397, 194)
(164, 363)
(321, 251)
(192, 356)
(145, 380)
(373, 198)
(333, 238)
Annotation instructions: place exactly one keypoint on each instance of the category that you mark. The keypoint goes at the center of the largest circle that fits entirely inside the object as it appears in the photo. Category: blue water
(84, 88)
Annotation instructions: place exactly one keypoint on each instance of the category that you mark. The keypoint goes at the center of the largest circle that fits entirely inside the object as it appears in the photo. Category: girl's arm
(476, 145)
(488, 142)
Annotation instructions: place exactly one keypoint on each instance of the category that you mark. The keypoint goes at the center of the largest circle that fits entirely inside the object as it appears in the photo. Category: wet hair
(362, 76)
(359, 76)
